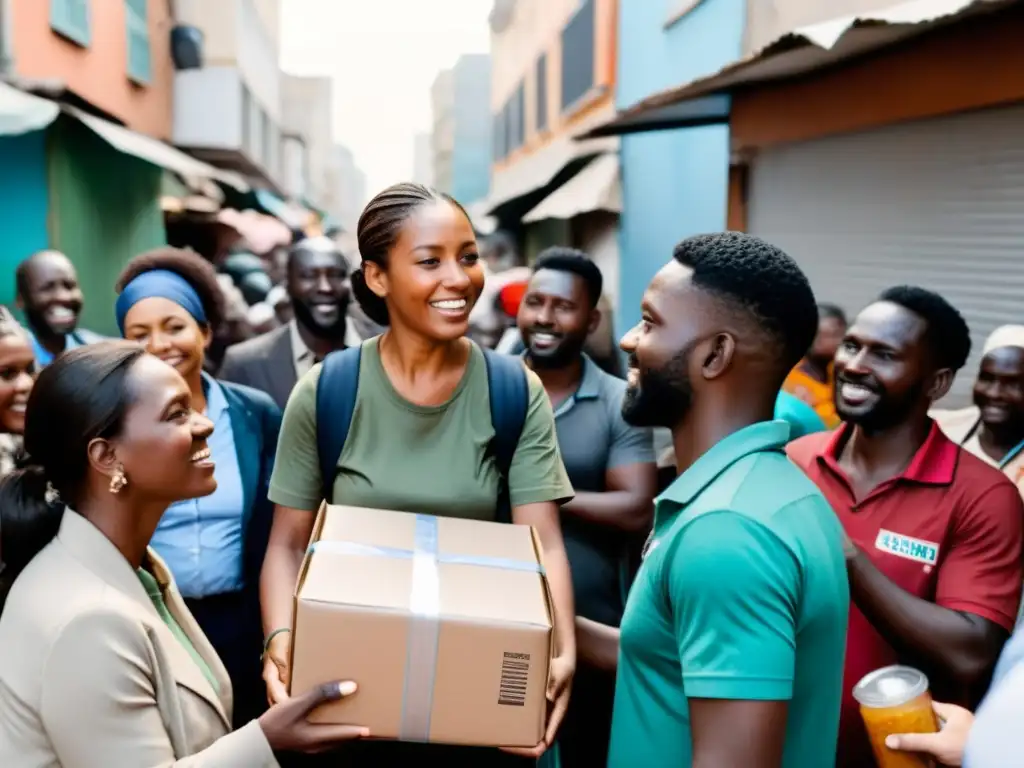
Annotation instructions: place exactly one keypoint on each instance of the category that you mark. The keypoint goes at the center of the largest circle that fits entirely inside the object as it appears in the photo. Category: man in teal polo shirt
(732, 642)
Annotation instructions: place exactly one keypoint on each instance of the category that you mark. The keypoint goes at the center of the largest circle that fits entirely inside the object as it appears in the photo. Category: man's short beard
(334, 331)
(566, 354)
(663, 398)
(37, 323)
(887, 414)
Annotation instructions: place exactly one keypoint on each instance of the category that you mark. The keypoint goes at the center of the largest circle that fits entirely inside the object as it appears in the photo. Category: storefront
(937, 202)
(882, 150)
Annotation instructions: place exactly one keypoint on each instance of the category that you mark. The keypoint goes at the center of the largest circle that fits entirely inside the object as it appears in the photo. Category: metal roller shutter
(937, 203)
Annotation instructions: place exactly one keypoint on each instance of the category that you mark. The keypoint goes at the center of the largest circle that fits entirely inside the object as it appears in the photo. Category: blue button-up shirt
(77, 338)
(201, 540)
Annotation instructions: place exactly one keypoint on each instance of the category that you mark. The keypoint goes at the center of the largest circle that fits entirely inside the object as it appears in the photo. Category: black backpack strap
(510, 399)
(336, 392)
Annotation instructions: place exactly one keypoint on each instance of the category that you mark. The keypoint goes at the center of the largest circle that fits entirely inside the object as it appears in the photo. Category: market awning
(480, 218)
(294, 216)
(595, 188)
(156, 152)
(800, 52)
(327, 223)
(22, 112)
(260, 232)
(539, 168)
(693, 113)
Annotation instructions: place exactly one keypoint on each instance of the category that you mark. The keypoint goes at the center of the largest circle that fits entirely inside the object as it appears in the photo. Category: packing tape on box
(424, 602)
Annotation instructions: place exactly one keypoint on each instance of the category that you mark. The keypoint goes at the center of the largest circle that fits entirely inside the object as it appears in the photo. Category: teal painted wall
(104, 209)
(674, 183)
(24, 201)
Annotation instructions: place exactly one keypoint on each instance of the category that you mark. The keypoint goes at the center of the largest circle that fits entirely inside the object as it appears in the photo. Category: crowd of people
(814, 516)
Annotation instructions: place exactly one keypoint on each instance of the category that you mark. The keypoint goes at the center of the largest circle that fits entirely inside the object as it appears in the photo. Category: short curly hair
(759, 279)
(947, 334)
(197, 272)
(561, 259)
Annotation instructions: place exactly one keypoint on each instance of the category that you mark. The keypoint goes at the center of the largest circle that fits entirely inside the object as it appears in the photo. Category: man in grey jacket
(318, 286)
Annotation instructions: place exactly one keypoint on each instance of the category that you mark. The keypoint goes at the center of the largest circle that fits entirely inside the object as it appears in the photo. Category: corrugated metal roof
(801, 52)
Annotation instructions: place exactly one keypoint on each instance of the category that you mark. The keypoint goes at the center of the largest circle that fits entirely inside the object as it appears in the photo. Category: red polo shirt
(948, 530)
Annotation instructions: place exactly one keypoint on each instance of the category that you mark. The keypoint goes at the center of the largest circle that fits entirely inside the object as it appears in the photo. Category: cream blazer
(91, 677)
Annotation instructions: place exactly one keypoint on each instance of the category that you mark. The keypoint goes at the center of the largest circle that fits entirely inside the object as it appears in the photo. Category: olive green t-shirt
(422, 459)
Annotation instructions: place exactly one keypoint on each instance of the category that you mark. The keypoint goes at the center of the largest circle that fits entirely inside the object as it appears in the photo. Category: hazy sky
(383, 56)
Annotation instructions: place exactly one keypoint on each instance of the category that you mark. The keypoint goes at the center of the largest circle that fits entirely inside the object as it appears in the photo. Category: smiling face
(162, 444)
(433, 276)
(169, 333)
(17, 373)
(883, 368)
(999, 389)
(555, 318)
(659, 389)
(319, 289)
(52, 298)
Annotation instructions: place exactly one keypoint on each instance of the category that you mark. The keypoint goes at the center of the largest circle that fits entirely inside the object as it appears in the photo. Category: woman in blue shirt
(170, 301)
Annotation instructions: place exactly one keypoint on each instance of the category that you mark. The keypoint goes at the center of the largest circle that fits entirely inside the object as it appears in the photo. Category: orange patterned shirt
(816, 394)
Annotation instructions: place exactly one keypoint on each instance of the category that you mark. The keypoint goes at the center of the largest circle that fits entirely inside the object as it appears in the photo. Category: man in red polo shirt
(934, 534)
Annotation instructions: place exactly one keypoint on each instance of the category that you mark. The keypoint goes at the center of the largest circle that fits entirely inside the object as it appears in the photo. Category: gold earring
(118, 481)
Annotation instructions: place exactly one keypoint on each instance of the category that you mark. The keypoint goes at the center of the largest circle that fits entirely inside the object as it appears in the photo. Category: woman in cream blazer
(102, 665)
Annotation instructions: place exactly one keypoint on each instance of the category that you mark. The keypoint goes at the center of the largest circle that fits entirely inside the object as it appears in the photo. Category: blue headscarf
(159, 283)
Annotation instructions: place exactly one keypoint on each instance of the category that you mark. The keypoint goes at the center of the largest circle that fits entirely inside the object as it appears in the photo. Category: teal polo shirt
(802, 419)
(742, 595)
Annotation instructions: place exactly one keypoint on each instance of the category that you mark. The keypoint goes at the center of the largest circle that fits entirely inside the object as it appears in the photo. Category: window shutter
(70, 19)
(140, 67)
(578, 50)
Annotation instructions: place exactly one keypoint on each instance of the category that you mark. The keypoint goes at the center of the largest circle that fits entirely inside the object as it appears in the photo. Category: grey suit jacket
(91, 677)
(265, 363)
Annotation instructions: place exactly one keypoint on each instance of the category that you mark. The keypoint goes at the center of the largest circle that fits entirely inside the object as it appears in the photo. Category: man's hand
(946, 746)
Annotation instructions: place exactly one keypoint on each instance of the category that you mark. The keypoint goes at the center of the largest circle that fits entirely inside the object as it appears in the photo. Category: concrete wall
(535, 29)
(471, 155)
(219, 22)
(258, 56)
(675, 183)
(536, 26)
(350, 188)
(98, 72)
(244, 34)
(442, 99)
(307, 105)
(208, 107)
(242, 47)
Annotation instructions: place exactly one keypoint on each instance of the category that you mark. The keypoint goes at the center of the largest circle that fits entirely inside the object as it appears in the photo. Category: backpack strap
(336, 392)
(510, 398)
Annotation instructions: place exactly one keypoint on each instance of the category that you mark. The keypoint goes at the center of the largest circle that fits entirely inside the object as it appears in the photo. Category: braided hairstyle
(379, 228)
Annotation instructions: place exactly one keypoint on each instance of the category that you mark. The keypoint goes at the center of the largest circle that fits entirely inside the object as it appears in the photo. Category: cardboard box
(445, 624)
